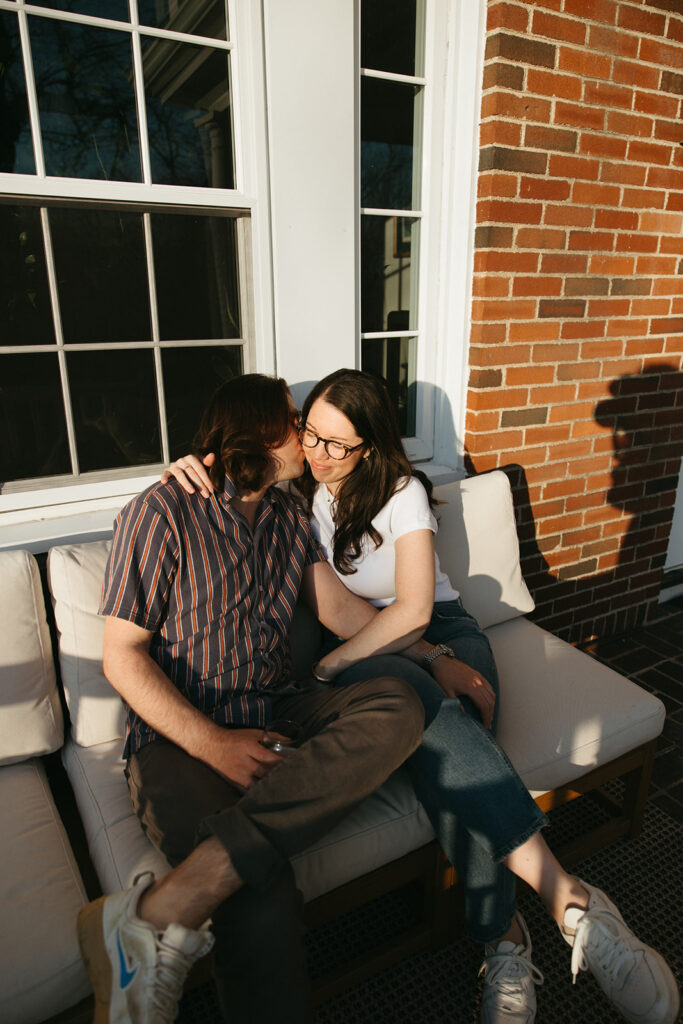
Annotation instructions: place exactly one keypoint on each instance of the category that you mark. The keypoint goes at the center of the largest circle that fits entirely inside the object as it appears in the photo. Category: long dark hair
(245, 418)
(364, 400)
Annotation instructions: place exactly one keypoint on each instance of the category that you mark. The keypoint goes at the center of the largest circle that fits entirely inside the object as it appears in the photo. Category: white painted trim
(34, 186)
(465, 42)
(390, 76)
(43, 502)
(669, 593)
(110, 23)
(86, 523)
(311, 86)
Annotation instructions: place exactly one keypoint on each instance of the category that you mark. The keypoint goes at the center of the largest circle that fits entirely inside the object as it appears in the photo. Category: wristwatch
(435, 653)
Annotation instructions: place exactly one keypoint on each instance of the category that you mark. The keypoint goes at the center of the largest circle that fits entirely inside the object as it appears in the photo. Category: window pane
(195, 265)
(387, 145)
(16, 146)
(117, 10)
(116, 415)
(191, 375)
(388, 36)
(86, 97)
(188, 114)
(393, 359)
(25, 313)
(206, 19)
(387, 282)
(101, 275)
(33, 440)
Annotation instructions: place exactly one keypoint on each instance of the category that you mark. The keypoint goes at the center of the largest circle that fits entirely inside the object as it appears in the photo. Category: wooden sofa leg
(443, 908)
(637, 785)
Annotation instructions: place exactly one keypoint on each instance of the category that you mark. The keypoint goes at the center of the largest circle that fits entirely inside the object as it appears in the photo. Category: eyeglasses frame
(328, 440)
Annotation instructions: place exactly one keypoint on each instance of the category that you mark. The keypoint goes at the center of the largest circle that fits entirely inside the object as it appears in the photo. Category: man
(199, 595)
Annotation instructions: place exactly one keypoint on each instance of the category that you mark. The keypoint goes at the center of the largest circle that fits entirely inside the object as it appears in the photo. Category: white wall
(310, 95)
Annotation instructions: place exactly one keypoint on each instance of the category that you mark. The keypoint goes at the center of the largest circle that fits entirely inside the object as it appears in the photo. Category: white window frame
(296, 150)
(36, 513)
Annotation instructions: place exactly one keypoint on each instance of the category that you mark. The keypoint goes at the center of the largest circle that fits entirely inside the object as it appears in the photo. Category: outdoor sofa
(569, 724)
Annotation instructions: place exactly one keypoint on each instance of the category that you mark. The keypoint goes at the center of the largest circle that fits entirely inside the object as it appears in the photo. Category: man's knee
(404, 708)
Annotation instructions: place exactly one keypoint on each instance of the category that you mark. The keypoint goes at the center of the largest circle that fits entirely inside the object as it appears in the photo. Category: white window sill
(40, 529)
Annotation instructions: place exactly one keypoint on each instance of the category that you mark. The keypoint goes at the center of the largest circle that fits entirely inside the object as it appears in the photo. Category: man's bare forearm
(148, 690)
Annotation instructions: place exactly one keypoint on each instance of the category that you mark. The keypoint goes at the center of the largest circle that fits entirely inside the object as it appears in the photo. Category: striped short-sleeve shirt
(218, 598)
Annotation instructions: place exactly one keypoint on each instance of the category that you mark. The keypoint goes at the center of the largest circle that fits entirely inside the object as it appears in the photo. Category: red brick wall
(577, 318)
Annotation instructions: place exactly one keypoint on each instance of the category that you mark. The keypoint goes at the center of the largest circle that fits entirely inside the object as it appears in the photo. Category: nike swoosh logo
(126, 975)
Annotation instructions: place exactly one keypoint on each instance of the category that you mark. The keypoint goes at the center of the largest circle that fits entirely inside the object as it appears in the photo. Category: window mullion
(140, 96)
(154, 316)
(31, 94)
(59, 335)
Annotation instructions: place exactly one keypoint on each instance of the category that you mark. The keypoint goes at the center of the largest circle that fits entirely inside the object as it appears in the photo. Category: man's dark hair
(246, 417)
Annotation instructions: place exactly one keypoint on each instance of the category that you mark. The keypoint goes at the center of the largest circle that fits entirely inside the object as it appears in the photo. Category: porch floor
(652, 656)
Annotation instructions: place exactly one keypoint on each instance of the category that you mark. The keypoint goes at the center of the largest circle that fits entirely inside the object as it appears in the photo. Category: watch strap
(435, 653)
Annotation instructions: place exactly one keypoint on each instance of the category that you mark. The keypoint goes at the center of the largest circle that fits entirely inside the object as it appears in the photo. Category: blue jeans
(478, 806)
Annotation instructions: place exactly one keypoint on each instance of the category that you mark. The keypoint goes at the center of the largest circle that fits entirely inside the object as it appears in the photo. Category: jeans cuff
(502, 853)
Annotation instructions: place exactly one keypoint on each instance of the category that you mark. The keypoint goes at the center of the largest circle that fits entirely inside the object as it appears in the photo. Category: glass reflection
(191, 375)
(388, 36)
(101, 275)
(115, 409)
(394, 360)
(33, 439)
(117, 10)
(387, 302)
(86, 98)
(188, 114)
(205, 19)
(16, 145)
(25, 312)
(387, 128)
(195, 266)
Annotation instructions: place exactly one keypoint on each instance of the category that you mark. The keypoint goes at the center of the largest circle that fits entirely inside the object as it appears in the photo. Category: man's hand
(457, 679)
(240, 757)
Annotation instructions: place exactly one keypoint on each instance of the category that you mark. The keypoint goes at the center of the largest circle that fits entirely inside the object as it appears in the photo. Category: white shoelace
(169, 978)
(506, 971)
(609, 951)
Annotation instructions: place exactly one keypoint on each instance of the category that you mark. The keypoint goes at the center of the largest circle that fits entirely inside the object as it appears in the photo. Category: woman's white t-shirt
(407, 510)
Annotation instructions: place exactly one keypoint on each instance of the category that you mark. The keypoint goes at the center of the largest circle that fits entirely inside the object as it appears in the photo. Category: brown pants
(354, 737)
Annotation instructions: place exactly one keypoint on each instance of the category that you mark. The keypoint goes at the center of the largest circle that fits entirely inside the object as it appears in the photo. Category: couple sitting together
(200, 589)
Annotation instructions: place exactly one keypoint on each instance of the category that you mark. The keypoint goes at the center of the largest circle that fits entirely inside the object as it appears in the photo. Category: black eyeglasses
(335, 449)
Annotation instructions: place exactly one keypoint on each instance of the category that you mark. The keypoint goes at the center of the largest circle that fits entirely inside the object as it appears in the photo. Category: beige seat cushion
(562, 712)
(383, 827)
(41, 971)
(118, 847)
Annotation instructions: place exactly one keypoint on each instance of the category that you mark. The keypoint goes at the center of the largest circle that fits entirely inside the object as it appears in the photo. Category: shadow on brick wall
(615, 582)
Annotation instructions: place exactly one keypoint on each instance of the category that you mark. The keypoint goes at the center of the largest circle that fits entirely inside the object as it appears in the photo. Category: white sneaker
(509, 995)
(634, 977)
(137, 973)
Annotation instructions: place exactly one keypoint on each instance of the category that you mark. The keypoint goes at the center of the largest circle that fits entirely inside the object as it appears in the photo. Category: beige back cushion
(31, 720)
(478, 547)
(75, 575)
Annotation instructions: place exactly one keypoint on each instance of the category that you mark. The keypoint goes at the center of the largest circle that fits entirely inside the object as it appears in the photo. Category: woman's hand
(457, 679)
(190, 473)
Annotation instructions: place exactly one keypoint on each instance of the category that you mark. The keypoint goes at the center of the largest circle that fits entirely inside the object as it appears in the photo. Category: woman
(371, 512)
